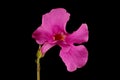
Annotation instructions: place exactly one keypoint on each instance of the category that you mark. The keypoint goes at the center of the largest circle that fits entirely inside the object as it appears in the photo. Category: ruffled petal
(46, 47)
(55, 20)
(79, 36)
(41, 35)
(74, 57)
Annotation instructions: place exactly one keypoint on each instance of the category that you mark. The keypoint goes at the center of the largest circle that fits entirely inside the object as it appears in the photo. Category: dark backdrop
(19, 18)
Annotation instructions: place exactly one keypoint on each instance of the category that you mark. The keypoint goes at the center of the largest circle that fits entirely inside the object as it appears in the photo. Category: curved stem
(39, 56)
(38, 69)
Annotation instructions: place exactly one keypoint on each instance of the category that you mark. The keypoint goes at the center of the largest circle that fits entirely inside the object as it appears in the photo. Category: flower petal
(46, 47)
(41, 35)
(75, 57)
(55, 20)
(79, 36)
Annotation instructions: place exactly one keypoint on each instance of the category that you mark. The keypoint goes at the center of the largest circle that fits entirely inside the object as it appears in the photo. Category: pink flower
(53, 32)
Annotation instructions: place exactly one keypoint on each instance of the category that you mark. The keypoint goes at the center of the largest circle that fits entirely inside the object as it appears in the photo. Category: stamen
(59, 37)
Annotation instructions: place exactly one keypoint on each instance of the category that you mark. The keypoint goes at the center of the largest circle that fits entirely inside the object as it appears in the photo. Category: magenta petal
(75, 57)
(79, 36)
(46, 47)
(55, 20)
(41, 35)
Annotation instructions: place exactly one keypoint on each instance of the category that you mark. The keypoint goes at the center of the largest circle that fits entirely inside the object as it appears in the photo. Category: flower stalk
(38, 69)
(38, 55)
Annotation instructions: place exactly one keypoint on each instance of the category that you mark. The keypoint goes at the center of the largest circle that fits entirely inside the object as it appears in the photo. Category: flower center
(59, 37)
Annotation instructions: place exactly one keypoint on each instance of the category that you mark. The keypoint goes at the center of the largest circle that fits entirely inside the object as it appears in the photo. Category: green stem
(39, 56)
(38, 69)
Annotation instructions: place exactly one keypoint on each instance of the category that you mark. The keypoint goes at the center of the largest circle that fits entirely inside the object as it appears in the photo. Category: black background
(23, 17)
